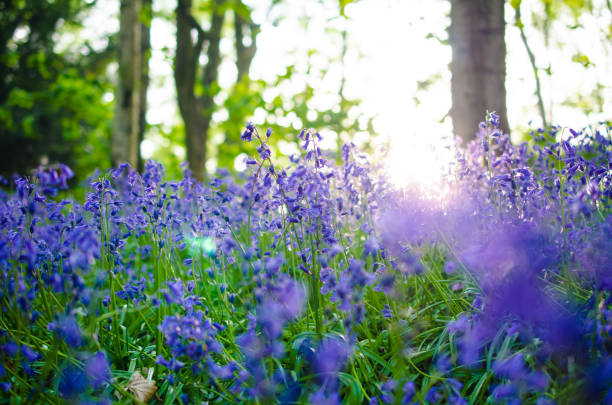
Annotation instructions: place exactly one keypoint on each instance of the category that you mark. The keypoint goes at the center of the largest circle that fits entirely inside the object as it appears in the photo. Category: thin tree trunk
(134, 45)
(195, 140)
(196, 110)
(145, 46)
(478, 64)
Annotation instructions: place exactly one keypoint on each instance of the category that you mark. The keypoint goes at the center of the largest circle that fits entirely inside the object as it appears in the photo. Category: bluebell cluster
(528, 227)
(318, 282)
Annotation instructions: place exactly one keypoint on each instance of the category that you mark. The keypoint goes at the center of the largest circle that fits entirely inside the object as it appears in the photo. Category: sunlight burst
(420, 164)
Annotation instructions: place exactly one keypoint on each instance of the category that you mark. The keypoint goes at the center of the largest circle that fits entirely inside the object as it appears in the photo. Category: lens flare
(205, 245)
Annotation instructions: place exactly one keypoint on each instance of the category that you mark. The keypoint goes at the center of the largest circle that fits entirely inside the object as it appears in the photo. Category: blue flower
(321, 397)
(409, 391)
(331, 357)
(247, 135)
(72, 382)
(67, 328)
(98, 370)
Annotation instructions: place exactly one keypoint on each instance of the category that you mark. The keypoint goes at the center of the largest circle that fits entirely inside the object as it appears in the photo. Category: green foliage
(554, 8)
(342, 119)
(51, 101)
(343, 4)
(171, 141)
(582, 59)
(592, 102)
(244, 98)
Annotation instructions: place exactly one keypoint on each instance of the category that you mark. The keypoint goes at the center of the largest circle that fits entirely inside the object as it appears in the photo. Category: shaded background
(95, 83)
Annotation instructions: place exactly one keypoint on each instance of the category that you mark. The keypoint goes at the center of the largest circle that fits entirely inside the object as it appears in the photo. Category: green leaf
(355, 388)
(582, 59)
(343, 4)
(515, 4)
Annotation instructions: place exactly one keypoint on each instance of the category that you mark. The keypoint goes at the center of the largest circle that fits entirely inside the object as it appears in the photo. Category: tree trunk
(195, 140)
(478, 64)
(134, 51)
(196, 110)
(145, 46)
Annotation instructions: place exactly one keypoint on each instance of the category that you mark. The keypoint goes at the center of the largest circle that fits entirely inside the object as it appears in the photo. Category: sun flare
(421, 165)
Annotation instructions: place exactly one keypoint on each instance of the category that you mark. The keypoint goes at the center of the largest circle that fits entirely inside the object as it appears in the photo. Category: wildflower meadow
(318, 282)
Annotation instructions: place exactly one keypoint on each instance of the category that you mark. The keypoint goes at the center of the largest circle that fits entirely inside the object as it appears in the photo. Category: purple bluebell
(72, 382)
(98, 370)
(67, 328)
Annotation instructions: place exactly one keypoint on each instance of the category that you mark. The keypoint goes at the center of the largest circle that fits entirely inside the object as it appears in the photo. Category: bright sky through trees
(397, 64)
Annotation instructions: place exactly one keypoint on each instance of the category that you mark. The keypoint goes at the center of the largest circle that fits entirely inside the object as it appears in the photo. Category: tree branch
(194, 24)
(213, 53)
(519, 24)
(184, 63)
(244, 54)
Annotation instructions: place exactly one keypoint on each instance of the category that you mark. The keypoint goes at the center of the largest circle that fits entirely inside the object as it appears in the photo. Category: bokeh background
(95, 83)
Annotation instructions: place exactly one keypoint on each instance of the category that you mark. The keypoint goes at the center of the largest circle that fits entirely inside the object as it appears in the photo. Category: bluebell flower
(67, 328)
(220, 372)
(10, 349)
(175, 292)
(450, 267)
(433, 395)
(443, 364)
(494, 119)
(247, 134)
(409, 391)
(387, 312)
(264, 151)
(387, 391)
(331, 357)
(505, 391)
(173, 364)
(29, 354)
(321, 397)
(98, 370)
(72, 382)
(371, 246)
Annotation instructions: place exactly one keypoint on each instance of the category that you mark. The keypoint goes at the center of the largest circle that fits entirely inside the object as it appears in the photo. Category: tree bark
(145, 46)
(130, 110)
(196, 109)
(478, 64)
